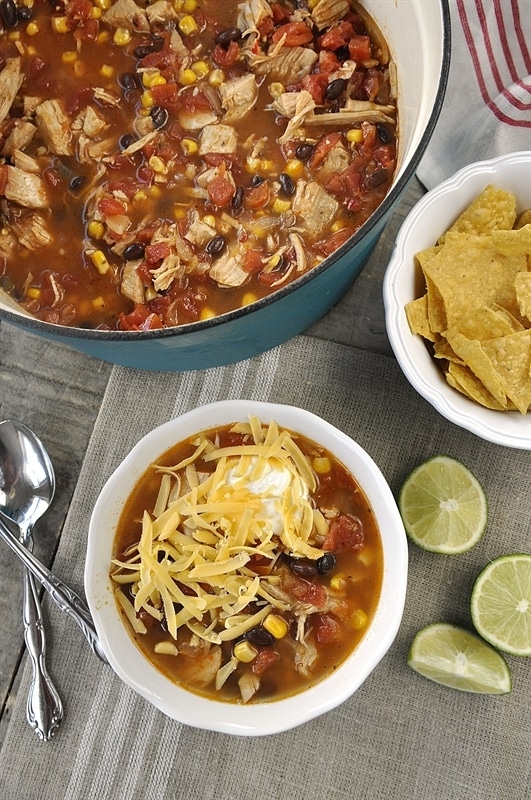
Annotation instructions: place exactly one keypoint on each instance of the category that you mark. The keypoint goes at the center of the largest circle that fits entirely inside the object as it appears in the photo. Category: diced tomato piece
(220, 191)
(226, 57)
(165, 95)
(336, 37)
(110, 206)
(133, 320)
(252, 261)
(307, 592)
(328, 61)
(359, 48)
(264, 29)
(316, 85)
(334, 242)
(265, 659)
(280, 13)
(323, 146)
(345, 533)
(325, 627)
(296, 33)
(257, 196)
(192, 100)
(156, 252)
(151, 323)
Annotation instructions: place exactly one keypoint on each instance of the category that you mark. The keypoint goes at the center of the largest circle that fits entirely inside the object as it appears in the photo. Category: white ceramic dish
(266, 718)
(431, 216)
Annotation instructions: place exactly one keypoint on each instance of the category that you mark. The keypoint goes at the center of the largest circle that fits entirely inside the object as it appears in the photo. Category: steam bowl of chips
(457, 296)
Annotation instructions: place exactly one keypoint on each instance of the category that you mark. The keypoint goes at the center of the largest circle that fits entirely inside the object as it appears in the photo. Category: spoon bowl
(27, 487)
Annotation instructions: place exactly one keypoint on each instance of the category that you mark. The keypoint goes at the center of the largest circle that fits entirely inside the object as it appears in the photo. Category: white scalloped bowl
(429, 218)
(268, 717)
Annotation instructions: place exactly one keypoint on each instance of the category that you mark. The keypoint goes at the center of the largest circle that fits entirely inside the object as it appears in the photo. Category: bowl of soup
(190, 184)
(246, 567)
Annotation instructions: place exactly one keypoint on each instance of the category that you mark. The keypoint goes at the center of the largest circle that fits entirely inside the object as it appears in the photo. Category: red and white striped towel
(487, 107)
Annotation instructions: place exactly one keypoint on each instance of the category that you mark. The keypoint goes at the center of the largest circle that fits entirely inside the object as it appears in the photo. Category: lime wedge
(443, 506)
(459, 659)
(501, 604)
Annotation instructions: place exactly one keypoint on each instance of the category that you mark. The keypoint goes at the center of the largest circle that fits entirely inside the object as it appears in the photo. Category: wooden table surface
(57, 392)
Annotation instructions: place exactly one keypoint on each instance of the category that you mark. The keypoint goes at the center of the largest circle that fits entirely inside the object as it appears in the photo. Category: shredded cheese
(190, 564)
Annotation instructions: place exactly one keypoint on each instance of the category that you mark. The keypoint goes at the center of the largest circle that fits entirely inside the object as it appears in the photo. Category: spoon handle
(63, 595)
(44, 709)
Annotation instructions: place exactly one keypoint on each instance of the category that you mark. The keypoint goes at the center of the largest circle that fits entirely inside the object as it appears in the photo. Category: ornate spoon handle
(44, 709)
(63, 595)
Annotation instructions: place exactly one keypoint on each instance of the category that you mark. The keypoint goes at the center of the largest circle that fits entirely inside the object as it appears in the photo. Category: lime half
(459, 659)
(501, 604)
(443, 506)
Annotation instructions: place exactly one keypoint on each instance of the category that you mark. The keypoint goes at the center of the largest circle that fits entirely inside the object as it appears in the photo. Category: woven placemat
(399, 736)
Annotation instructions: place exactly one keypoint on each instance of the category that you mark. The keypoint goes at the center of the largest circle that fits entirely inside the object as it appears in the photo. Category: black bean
(237, 200)
(128, 81)
(286, 182)
(335, 88)
(260, 637)
(127, 140)
(77, 182)
(304, 151)
(342, 53)
(134, 251)
(159, 116)
(326, 563)
(24, 13)
(228, 35)
(144, 50)
(384, 134)
(303, 568)
(215, 246)
(377, 177)
(256, 180)
(8, 13)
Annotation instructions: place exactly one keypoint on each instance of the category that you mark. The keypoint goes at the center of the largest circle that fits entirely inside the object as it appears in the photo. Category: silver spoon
(63, 595)
(27, 486)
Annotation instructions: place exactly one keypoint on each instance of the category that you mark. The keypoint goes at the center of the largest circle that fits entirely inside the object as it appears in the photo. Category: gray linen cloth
(400, 735)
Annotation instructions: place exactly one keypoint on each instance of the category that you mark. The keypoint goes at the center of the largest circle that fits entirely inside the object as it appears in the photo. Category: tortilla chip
(463, 379)
(515, 242)
(468, 273)
(522, 285)
(523, 219)
(436, 313)
(474, 356)
(417, 317)
(493, 209)
(424, 256)
(511, 357)
(485, 322)
(442, 349)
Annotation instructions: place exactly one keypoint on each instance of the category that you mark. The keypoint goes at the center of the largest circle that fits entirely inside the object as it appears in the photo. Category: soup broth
(247, 563)
(164, 163)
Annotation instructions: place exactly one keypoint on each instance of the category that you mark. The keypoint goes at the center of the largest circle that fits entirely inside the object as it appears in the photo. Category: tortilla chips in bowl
(457, 296)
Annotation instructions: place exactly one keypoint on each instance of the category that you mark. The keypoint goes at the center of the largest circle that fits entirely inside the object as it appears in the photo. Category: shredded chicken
(10, 82)
(54, 126)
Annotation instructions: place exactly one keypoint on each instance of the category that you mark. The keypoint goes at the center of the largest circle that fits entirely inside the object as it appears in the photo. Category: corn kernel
(276, 89)
(122, 36)
(189, 146)
(359, 619)
(103, 5)
(248, 298)
(321, 465)
(338, 225)
(355, 135)
(179, 212)
(30, 50)
(103, 37)
(69, 57)
(200, 68)
(188, 25)
(312, 4)
(155, 191)
(166, 648)
(187, 77)
(140, 195)
(95, 13)
(338, 582)
(216, 77)
(366, 556)
(158, 165)
(277, 626)
(99, 259)
(280, 206)
(294, 168)
(153, 78)
(98, 304)
(245, 652)
(33, 292)
(106, 71)
(207, 313)
(59, 25)
(146, 99)
(13, 36)
(210, 219)
(189, 5)
(96, 229)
